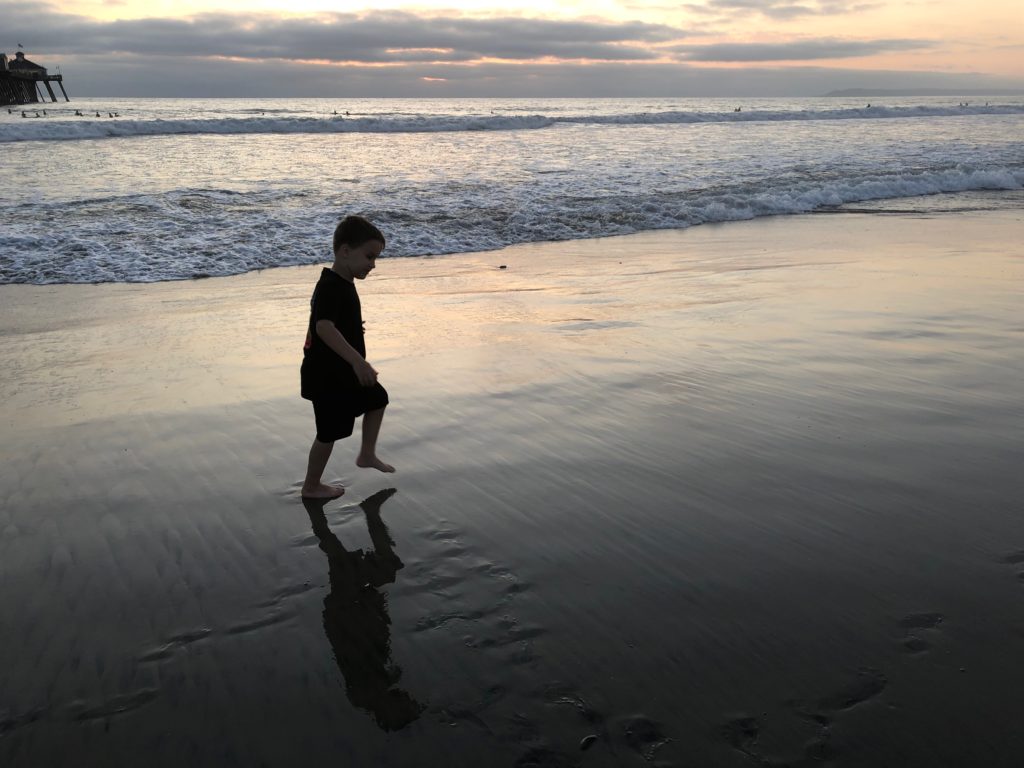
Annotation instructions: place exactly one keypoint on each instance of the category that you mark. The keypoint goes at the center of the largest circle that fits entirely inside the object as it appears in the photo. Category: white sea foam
(206, 232)
(70, 128)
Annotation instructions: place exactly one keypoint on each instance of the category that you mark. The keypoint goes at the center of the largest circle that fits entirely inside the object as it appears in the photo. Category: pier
(22, 81)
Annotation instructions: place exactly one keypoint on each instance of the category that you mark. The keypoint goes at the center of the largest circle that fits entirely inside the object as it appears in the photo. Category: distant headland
(883, 92)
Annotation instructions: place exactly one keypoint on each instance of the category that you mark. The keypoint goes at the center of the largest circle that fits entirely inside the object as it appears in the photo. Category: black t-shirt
(324, 371)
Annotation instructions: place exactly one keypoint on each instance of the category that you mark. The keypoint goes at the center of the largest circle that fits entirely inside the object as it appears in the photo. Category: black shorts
(336, 414)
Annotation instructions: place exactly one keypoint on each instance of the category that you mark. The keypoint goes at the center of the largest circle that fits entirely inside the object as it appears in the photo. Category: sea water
(161, 189)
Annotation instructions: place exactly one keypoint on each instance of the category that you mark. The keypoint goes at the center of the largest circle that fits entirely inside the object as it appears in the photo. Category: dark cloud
(182, 77)
(802, 50)
(380, 37)
(340, 56)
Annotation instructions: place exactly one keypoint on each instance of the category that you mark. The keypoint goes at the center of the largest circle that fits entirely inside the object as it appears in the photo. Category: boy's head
(354, 231)
(357, 244)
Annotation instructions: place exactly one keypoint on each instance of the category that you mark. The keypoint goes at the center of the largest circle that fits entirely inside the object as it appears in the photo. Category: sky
(309, 48)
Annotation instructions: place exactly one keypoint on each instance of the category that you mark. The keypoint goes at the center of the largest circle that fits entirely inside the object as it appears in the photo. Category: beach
(741, 494)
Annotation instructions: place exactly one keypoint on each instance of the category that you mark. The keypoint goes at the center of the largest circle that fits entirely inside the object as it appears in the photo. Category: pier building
(22, 81)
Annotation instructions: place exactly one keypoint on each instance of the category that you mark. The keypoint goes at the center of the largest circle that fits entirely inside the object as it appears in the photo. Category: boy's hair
(353, 231)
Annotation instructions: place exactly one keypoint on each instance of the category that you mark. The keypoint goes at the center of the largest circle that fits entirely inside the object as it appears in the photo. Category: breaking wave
(170, 236)
(65, 128)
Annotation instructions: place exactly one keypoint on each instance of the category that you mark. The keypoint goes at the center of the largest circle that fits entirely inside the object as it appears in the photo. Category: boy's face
(362, 259)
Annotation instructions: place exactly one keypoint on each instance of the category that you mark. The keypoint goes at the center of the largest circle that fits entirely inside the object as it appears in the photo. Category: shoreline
(936, 193)
(98, 310)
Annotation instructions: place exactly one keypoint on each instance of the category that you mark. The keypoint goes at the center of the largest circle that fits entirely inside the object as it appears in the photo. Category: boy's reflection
(356, 615)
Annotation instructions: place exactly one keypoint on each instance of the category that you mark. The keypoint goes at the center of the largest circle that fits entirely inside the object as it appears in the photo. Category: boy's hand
(366, 373)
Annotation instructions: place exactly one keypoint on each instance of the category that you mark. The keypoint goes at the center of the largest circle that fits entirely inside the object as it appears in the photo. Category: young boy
(335, 374)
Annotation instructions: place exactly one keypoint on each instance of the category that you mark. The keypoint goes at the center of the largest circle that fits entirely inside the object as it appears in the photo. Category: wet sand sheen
(740, 495)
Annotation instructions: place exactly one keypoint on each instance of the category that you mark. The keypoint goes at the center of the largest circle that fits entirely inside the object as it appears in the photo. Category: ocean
(171, 189)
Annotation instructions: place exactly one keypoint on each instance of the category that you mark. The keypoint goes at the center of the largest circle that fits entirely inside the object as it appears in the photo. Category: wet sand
(740, 495)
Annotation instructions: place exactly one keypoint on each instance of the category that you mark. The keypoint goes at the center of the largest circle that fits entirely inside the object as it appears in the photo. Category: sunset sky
(543, 48)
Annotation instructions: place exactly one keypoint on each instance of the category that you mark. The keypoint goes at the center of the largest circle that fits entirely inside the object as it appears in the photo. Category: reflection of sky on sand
(719, 294)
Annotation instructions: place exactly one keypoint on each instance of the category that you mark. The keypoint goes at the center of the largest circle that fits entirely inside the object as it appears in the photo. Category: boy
(335, 373)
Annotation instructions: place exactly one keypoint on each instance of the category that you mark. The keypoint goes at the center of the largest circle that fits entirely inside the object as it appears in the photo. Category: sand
(745, 494)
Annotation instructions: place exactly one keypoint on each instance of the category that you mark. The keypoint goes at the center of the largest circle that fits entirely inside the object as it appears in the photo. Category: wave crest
(72, 129)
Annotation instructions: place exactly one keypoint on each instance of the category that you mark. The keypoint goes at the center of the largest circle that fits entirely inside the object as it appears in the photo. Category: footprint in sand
(741, 733)
(867, 684)
(644, 736)
(566, 705)
(813, 722)
(1014, 558)
(815, 719)
(472, 596)
(913, 624)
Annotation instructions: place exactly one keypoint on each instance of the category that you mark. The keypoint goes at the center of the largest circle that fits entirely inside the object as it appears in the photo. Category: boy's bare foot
(373, 461)
(322, 491)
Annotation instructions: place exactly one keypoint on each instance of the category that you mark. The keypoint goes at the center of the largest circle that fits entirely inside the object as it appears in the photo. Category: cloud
(783, 10)
(130, 76)
(378, 37)
(801, 50)
(404, 54)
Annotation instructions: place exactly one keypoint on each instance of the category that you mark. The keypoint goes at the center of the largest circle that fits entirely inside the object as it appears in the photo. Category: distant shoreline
(882, 92)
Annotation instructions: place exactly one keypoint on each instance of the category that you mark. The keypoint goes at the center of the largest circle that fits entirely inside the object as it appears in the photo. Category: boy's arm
(332, 337)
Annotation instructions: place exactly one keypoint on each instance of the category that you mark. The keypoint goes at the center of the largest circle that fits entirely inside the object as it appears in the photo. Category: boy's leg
(312, 487)
(368, 452)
